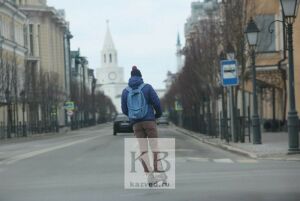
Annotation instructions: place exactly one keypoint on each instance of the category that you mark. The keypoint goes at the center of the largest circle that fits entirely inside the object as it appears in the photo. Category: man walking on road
(142, 105)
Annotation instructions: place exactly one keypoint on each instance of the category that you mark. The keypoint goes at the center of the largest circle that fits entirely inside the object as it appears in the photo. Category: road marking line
(185, 150)
(194, 159)
(223, 160)
(247, 161)
(42, 151)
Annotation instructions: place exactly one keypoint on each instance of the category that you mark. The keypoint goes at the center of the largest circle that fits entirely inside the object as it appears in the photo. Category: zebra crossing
(218, 160)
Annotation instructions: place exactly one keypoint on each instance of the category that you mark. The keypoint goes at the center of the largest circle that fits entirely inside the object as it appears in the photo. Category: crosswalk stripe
(247, 161)
(223, 160)
(215, 160)
(197, 159)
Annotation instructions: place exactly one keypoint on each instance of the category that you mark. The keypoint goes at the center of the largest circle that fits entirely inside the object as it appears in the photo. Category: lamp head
(252, 32)
(290, 8)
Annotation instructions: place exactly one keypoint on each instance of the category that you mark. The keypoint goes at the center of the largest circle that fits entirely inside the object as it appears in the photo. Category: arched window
(110, 58)
(104, 58)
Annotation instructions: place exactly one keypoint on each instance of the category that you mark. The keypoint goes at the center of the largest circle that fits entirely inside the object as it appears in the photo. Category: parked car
(122, 124)
(162, 120)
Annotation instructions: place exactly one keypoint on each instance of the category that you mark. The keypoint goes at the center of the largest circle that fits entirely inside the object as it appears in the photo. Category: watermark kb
(149, 163)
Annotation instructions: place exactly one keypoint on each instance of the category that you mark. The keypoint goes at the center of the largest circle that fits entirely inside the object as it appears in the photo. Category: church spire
(109, 52)
(108, 41)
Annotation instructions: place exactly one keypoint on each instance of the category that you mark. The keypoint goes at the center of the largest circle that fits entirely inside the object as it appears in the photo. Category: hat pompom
(136, 72)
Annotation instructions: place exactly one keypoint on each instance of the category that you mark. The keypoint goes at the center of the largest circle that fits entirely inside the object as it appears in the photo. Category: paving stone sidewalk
(274, 145)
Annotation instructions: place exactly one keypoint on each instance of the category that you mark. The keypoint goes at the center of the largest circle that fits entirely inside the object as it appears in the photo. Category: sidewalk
(274, 145)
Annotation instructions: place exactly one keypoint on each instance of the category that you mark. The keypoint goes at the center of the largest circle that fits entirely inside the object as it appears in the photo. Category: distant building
(81, 86)
(80, 69)
(200, 10)
(110, 77)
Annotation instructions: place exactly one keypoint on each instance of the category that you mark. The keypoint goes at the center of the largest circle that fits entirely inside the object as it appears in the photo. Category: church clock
(112, 76)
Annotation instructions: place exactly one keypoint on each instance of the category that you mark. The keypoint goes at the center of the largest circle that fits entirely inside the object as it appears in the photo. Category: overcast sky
(144, 32)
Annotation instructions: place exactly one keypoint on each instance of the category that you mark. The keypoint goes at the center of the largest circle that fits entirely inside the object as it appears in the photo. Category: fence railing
(25, 129)
(215, 127)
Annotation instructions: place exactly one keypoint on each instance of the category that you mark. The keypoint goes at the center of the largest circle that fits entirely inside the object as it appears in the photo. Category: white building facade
(110, 77)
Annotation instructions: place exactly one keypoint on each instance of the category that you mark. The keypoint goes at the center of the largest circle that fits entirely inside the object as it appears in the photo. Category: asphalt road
(88, 165)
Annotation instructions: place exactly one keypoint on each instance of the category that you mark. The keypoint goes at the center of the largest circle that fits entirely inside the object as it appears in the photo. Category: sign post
(230, 79)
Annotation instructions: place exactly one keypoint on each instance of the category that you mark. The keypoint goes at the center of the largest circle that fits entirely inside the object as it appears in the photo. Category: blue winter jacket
(150, 96)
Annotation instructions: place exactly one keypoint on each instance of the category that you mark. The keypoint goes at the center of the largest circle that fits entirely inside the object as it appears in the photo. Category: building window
(110, 58)
(266, 41)
(31, 40)
(104, 58)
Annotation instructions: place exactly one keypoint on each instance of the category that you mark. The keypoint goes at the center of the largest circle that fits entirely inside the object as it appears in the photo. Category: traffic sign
(178, 106)
(229, 73)
(69, 105)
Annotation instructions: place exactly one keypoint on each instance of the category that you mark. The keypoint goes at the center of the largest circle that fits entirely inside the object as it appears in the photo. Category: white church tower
(110, 76)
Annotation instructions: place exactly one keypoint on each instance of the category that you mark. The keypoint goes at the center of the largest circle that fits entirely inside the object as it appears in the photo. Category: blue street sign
(229, 73)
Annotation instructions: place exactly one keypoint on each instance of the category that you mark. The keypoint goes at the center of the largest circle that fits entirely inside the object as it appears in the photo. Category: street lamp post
(252, 38)
(290, 9)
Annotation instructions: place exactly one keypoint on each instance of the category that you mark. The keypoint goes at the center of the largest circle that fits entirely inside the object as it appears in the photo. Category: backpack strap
(142, 86)
(129, 89)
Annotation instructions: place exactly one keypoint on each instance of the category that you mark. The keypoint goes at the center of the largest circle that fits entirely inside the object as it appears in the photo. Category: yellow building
(44, 39)
(12, 62)
(297, 60)
(272, 60)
